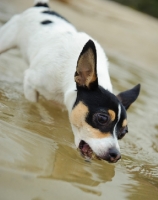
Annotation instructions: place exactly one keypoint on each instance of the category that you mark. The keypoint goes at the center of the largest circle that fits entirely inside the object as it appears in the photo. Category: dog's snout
(114, 155)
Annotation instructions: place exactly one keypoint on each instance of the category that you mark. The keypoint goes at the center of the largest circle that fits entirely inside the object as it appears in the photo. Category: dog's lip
(85, 149)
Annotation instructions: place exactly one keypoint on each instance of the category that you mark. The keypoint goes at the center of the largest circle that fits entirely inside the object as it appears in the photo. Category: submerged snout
(112, 156)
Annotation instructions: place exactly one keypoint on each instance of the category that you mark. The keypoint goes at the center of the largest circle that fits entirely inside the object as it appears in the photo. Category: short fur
(71, 68)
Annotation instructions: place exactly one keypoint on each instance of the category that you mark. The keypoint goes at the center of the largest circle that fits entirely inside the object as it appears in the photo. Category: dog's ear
(129, 96)
(86, 74)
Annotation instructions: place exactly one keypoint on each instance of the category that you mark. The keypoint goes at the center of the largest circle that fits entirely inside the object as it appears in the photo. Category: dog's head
(98, 117)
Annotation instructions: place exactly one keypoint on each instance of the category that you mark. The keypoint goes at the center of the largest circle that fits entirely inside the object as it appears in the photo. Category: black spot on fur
(50, 12)
(46, 22)
(129, 96)
(40, 4)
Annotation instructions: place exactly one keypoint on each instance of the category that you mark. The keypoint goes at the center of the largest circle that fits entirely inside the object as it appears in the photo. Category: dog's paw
(30, 93)
(31, 96)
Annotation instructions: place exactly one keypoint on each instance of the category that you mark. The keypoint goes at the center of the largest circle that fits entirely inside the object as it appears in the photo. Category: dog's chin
(86, 150)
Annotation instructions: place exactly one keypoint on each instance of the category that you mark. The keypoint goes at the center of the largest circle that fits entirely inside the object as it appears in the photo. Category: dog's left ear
(129, 96)
(86, 73)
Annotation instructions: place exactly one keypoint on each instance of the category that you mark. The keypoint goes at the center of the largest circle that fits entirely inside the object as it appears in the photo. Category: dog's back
(49, 41)
(39, 27)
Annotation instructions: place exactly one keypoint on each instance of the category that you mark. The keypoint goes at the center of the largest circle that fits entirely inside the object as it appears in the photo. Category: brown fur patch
(95, 133)
(79, 114)
(124, 123)
(77, 118)
(112, 114)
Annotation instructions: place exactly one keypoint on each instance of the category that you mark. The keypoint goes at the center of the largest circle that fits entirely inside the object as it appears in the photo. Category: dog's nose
(114, 155)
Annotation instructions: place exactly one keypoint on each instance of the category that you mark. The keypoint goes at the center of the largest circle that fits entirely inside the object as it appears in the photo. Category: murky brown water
(38, 158)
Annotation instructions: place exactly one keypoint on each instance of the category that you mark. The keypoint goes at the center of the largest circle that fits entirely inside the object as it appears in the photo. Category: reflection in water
(36, 141)
(140, 147)
(24, 151)
(39, 119)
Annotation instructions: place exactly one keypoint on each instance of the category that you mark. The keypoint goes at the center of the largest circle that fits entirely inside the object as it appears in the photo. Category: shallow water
(38, 158)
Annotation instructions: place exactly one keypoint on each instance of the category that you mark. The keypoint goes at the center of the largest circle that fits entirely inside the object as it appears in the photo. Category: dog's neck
(69, 99)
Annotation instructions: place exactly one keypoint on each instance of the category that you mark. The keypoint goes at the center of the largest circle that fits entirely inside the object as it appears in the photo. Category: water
(38, 158)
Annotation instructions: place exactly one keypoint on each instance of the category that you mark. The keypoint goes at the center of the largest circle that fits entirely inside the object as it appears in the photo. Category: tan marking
(85, 69)
(79, 114)
(112, 114)
(124, 123)
(95, 133)
(77, 118)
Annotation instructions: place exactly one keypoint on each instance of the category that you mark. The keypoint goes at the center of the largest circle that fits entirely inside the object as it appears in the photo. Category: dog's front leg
(29, 87)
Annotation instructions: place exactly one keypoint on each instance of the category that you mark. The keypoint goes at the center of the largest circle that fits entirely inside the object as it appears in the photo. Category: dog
(71, 68)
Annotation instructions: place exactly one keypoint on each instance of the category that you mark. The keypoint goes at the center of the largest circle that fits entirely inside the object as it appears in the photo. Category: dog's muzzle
(112, 155)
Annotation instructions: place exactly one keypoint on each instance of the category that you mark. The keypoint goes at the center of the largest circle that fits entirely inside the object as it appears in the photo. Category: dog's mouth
(88, 153)
(85, 149)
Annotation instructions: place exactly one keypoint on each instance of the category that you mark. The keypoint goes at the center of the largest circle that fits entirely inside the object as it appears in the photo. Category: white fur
(99, 146)
(52, 52)
(114, 132)
(42, 1)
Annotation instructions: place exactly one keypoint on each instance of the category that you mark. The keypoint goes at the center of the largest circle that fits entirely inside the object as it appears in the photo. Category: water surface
(38, 158)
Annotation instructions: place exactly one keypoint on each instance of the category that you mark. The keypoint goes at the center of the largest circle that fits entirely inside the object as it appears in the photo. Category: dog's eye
(122, 132)
(101, 119)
